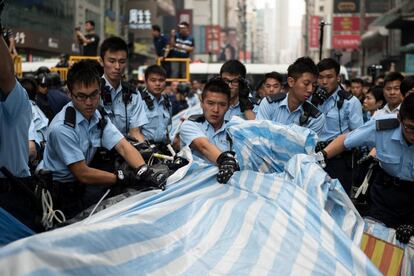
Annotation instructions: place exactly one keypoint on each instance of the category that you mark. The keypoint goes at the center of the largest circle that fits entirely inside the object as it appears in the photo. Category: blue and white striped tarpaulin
(268, 222)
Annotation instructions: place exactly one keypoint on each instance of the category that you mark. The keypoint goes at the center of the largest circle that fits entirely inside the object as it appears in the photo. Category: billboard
(314, 32)
(141, 15)
(343, 41)
(213, 38)
(346, 6)
(346, 24)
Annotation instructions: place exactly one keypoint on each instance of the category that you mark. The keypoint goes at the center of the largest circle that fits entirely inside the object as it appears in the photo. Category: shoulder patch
(386, 124)
(199, 118)
(70, 117)
(345, 95)
(276, 97)
(312, 110)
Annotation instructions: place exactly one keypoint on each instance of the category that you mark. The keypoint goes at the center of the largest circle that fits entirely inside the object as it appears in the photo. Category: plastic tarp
(11, 229)
(280, 215)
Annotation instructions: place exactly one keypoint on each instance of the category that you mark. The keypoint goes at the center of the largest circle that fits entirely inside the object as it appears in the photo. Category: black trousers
(340, 167)
(20, 204)
(393, 205)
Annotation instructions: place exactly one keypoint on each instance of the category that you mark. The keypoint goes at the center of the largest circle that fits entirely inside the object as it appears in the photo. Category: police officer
(75, 134)
(206, 134)
(294, 106)
(392, 93)
(15, 117)
(157, 106)
(233, 72)
(122, 102)
(392, 192)
(343, 113)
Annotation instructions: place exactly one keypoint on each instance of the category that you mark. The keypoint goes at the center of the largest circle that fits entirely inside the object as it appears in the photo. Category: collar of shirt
(235, 106)
(160, 101)
(114, 91)
(389, 111)
(285, 104)
(80, 119)
(208, 126)
(334, 95)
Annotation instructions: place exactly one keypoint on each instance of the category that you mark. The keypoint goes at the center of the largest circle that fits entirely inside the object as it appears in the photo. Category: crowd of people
(101, 131)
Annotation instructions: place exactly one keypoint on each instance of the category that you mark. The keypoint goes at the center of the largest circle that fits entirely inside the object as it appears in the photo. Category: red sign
(213, 40)
(346, 41)
(314, 32)
(346, 24)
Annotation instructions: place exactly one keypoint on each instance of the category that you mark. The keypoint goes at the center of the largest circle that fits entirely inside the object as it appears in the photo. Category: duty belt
(389, 180)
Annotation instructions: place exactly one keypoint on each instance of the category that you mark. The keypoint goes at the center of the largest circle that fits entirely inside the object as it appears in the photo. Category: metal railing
(187, 68)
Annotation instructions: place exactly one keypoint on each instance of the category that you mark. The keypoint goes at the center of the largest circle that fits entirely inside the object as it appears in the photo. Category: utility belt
(68, 189)
(385, 179)
(7, 185)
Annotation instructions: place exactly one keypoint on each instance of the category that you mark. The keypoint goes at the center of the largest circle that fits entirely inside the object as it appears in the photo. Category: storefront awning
(399, 17)
(373, 37)
(166, 7)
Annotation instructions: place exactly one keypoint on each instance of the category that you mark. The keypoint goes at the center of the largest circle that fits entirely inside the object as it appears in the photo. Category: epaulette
(345, 94)
(310, 109)
(167, 102)
(199, 118)
(146, 98)
(386, 124)
(276, 97)
(70, 117)
(254, 100)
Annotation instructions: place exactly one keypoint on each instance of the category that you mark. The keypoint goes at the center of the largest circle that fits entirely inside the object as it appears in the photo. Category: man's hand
(126, 178)
(227, 165)
(244, 93)
(153, 177)
(321, 157)
(404, 233)
(319, 96)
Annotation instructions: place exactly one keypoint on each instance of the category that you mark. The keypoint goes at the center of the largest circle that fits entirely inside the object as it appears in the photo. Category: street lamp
(322, 24)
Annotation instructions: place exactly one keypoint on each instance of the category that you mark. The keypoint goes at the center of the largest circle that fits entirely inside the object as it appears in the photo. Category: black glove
(126, 178)
(155, 177)
(319, 96)
(244, 92)
(227, 165)
(404, 232)
(366, 160)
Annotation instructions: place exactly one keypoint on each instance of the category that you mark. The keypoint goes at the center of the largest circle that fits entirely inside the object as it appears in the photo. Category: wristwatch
(142, 170)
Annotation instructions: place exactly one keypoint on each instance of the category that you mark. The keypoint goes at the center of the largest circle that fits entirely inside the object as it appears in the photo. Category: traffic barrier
(18, 70)
(62, 71)
(187, 68)
(74, 59)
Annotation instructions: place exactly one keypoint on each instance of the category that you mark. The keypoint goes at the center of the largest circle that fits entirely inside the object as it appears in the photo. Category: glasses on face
(82, 97)
(408, 129)
(232, 81)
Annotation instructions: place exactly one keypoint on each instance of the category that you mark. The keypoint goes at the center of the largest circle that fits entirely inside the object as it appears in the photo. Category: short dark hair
(327, 64)
(274, 75)
(84, 72)
(29, 83)
(302, 65)
(156, 28)
(378, 93)
(91, 22)
(184, 23)
(357, 80)
(406, 85)
(234, 67)
(154, 69)
(113, 44)
(393, 76)
(407, 108)
(216, 85)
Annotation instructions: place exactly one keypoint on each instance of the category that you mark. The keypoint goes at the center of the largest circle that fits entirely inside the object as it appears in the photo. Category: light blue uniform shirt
(234, 110)
(38, 125)
(279, 112)
(395, 155)
(191, 130)
(116, 111)
(15, 118)
(159, 119)
(67, 145)
(349, 116)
